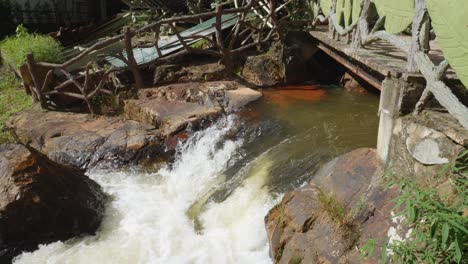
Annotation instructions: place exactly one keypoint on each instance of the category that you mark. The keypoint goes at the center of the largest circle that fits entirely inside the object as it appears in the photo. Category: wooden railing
(352, 19)
(80, 82)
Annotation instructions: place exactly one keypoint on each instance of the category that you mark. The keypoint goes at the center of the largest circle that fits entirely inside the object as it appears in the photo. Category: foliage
(440, 230)
(329, 204)
(201, 44)
(15, 48)
(368, 248)
(12, 99)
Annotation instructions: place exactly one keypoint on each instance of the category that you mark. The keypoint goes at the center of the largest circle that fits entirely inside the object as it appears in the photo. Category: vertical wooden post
(362, 28)
(219, 36)
(36, 88)
(419, 11)
(132, 64)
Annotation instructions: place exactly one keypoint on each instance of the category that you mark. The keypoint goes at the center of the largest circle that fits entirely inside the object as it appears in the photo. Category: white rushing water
(146, 220)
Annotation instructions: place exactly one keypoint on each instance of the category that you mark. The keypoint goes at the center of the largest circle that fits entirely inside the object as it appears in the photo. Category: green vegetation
(334, 209)
(440, 226)
(368, 248)
(15, 48)
(201, 44)
(12, 99)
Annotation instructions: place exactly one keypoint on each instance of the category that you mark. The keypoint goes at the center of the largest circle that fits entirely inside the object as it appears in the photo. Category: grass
(15, 48)
(12, 99)
(440, 228)
(334, 209)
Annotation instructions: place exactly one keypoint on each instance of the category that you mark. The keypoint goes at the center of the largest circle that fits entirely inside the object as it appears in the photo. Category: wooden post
(420, 10)
(36, 88)
(362, 28)
(132, 64)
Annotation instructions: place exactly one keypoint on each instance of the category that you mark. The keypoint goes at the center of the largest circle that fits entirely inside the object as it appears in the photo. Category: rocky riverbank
(148, 132)
(326, 220)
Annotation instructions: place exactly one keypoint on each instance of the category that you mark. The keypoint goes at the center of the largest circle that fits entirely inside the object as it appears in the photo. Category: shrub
(44, 48)
(440, 227)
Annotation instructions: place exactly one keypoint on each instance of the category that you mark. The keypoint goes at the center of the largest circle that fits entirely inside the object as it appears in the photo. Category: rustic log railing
(83, 81)
(359, 34)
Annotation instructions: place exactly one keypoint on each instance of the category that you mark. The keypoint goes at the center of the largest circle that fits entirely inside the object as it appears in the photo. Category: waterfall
(148, 218)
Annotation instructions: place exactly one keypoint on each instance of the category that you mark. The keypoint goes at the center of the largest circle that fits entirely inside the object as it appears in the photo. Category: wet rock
(84, 141)
(328, 219)
(240, 97)
(43, 202)
(353, 84)
(172, 108)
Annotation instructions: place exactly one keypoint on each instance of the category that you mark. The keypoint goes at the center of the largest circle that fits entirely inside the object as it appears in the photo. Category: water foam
(146, 221)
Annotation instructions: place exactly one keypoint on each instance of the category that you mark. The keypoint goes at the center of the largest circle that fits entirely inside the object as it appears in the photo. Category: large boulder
(328, 219)
(283, 63)
(84, 141)
(42, 201)
(172, 108)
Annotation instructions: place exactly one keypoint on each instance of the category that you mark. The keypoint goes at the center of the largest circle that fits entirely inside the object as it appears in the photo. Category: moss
(12, 99)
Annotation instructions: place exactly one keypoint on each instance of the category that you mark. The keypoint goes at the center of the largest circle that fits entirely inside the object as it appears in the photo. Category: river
(209, 205)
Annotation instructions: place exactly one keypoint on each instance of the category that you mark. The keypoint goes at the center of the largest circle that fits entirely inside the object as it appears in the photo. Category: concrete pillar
(388, 111)
(398, 98)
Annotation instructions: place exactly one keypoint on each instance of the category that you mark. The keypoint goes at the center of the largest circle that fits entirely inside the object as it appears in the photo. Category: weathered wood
(420, 10)
(47, 80)
(36, 88)
(132, 64)
(80, 87)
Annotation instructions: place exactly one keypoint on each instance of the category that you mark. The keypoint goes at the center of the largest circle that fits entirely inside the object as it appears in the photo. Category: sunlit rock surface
(326, 220)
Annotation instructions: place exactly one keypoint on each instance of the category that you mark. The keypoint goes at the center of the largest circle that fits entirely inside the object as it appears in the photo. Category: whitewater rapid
(147, 221)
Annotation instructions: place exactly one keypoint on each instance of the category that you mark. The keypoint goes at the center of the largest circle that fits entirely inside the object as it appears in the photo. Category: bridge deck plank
(380, 56)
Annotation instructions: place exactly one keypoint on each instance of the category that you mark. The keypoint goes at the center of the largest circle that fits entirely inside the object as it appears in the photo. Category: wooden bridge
(368, 37)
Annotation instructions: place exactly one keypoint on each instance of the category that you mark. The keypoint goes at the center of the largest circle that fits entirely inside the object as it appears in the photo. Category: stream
(209, 205)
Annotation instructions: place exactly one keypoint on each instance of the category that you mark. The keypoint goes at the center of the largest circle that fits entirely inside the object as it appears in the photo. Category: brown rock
(353, 84)
(325, 221)
(42, 201)
(171, 108)
(84, 141)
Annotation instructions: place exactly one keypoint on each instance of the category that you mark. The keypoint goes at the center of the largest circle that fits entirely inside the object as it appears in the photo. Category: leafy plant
(368, 248)
(15, 48)
(440, 230)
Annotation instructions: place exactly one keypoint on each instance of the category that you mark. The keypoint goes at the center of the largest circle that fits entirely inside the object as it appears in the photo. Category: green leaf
(458, 226)
(340, 6)
(445, 234)
(326, 6)
(458, 253)
(356, 10)
(398, 14)
(384, 256)
(348, 10)
(450, 22)
(411, 212)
